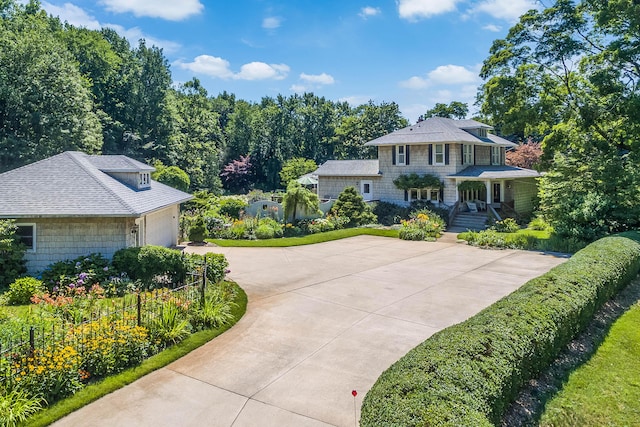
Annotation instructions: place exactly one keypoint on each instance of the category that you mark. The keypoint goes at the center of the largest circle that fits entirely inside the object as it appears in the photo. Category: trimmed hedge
(467, 374)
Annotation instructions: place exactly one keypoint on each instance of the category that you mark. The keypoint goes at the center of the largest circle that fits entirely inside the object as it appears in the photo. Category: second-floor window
(467, 154)
(438, 154)
(401, 155)
(495, 155)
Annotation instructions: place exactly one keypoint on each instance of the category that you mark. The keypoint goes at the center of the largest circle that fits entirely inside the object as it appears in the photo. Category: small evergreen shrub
(467, 374)
(21, 290)
(264, 232)
(198, 230)
(351, 205)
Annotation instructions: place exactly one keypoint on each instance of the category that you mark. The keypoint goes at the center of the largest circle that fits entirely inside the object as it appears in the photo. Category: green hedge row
(467, 374)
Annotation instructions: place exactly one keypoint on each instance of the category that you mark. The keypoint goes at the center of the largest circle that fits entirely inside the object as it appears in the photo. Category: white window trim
(495, 155)
(404, 155)
(435, 154)
(29, 224)
(467, 154)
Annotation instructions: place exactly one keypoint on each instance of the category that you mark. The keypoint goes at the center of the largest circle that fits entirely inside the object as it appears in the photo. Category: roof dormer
(130, 172)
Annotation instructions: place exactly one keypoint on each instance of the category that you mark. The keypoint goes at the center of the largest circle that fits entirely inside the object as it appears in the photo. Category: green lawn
(307, 240)
(605, 391)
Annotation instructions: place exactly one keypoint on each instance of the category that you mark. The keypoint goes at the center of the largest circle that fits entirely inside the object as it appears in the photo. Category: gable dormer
(130, 172)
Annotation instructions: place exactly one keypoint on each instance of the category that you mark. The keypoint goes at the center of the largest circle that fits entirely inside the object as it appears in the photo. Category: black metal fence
(73, 329)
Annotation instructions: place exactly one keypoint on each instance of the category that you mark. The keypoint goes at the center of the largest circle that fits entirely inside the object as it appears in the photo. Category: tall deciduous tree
(455, 110)
(571, 73)
(295, 168)
(45, 102)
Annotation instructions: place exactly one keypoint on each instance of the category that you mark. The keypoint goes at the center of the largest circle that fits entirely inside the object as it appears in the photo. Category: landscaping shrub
(468, 373)
(424, 224)
(390, 213)
(351, 205)
(197, 230)
(507, 225)
(217, 309)
(21, 291)
(268, 228)
(16, 406)
(418, 205)
(94, 269)
(538, 223)
(12, 263)
(216, 267)
(231, 206)
(153, 265)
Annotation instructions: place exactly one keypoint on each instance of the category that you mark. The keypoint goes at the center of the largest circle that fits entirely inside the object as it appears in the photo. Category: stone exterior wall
(59, 239)
(525, 192)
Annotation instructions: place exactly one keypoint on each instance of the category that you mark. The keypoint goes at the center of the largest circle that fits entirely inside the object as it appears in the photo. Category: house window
(495, 155)
(144, 180)
(482, 133)
(27, 235)
(434, 196)
(438, 154)
(400, 155)
(414, 194)
(467, 154)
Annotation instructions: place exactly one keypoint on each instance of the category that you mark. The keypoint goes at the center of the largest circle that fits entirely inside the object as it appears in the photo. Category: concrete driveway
(322, 321)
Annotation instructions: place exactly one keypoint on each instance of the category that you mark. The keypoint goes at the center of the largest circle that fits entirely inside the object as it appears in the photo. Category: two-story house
(453, 151)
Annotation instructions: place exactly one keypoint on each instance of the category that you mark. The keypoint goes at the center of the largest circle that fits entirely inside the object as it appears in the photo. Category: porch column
(457, 191)
(487, 184)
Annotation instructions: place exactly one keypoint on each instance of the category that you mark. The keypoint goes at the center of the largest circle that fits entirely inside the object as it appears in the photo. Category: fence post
(32, 341)
(139, 307)
(204, 283)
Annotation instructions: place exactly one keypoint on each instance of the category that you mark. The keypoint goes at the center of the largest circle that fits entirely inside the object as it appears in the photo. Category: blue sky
(412, 52)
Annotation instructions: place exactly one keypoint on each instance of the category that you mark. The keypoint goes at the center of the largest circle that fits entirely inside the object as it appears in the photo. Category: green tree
(351, 205)
(295, 168)
(299, 198)
(12, 262)
(172, 176)
(571, 74)
(455, 110)
(197, 138)
(45, 102)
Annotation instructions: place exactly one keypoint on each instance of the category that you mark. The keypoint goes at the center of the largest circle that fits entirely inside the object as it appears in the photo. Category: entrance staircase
(464, 221)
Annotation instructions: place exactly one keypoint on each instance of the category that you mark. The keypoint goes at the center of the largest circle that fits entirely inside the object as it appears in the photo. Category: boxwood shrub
(468, 373)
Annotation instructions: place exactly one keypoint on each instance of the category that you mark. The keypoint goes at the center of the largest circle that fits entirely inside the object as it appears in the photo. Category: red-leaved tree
(237, 175)
(526, 155)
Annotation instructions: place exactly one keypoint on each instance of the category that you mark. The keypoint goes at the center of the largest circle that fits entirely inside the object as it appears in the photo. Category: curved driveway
(322, 321)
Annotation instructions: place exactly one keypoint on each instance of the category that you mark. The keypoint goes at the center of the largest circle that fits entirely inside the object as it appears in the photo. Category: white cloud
(72, 14)
(221, 68)
(262, 71)
(298, 88)
(508, 10)
(321, 79)
(271, 22)
(78, 17)
(369, 11)
(356, 100)
(414, 10)
(452, 74)
(415, 82)
(493, 28)
(443, 75)
(209, 65)
(171, 10)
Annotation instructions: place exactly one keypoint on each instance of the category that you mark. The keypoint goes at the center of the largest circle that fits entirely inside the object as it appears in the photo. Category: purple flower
(82, 276)
(71, 285)
(227, 271)
(80, 282)
(78, 264)
(105, 269)
(56, 289)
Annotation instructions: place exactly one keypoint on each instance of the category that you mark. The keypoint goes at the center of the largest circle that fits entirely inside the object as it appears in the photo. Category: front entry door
(496, 192)
(366, 190)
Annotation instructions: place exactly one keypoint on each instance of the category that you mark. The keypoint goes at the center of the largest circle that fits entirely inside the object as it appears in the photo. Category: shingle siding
(59, 239)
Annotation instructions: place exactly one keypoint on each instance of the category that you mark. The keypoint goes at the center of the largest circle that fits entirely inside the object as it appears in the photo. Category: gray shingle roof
(495, 172)
(349, 168)
(73, 184)
(440, 130)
